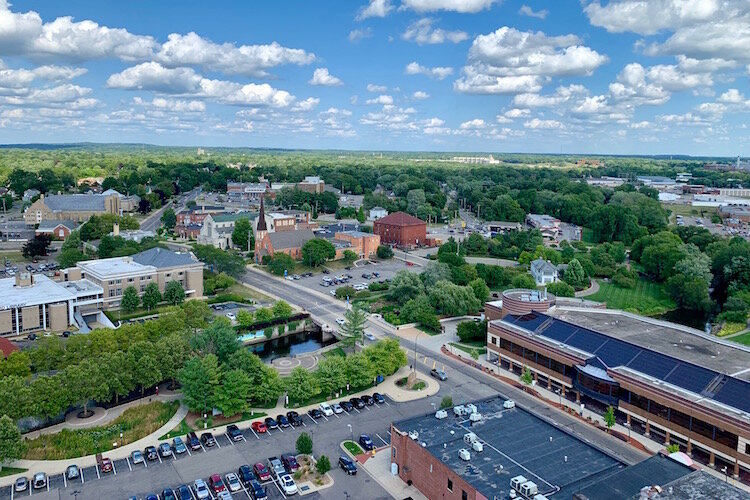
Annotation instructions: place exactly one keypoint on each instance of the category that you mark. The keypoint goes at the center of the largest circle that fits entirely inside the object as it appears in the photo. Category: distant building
(657, 181)
(712, 200)
(735, 192)
(217, 229)
(75, 207)
(497, 227)
(7, 347)
(476, 160)
(546, 224)
(128, 203)
(29, 194)
(377, 213)
(90, 181)
(401, 229)
(288, 242)
(365, 245)
(136, 235)
(195, 216)
(738, 214)
(604, 181)
(56, 229)
(543, 271)
(312, 184)
(246, 191)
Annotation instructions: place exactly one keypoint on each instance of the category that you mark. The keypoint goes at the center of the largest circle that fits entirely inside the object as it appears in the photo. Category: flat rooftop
(515, 443)
(116, 266)
(42, 291)
(671, 339)
(81, 287)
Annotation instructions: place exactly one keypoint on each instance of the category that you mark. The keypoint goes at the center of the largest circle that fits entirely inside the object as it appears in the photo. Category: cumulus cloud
(732, 96)
(460, 6)
(322, 77)
(632, 86)
(420, 95)
(376, 8)
(172, 105)
(376, 89)
(509, 61)
(517, 113)
(536, 123)
(525, 10)
(476, 123)
(422, 32)
(381, 99)
(649, 17)
(438, 72)
(307, 104)
(359, 34)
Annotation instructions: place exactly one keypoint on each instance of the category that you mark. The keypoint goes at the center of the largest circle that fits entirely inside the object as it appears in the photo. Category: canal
(290, 345)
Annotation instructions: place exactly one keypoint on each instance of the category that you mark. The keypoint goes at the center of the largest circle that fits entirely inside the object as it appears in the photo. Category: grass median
(353, 448)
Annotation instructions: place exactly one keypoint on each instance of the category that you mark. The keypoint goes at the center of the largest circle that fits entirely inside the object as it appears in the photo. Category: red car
(216, 483)
(105, 465)
(262, 472)
(259, 427)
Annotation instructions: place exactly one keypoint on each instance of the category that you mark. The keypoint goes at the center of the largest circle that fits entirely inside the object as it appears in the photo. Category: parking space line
(386, 402)
(229, 439)
(357, 410)
(245, 490)
(304, 424)
(336, 415)
(129, 466)
(325, 417)
(389, 432)
(280, 430)
(314, 421)
(158, 455)
(254, 434)
(97, 472)
(12, 489)
(243, 437)
(188, 450)
(47, 486)
(114, 469)
(279, 488)
(82, 481)
(383, 440)
(65, 481)
(202, 448)
(217, 443)
(367, 408)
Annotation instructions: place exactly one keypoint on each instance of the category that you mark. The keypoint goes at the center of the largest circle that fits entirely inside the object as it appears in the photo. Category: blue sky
(617, 76)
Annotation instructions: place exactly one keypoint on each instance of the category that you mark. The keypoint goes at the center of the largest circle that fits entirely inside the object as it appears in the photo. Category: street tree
(244, 317)
(174, 293)
(11, 444)
(169, 219)
(317, 251)
(281, 263)
(151, 296)
(147, 371)
(263, 314)
(301, 385)
(234, 392)
(199, 379)
(609, 418)
(197, 314)
(354, 323)
(526, 376)
(330, 374)
(281, 309)
(130, 299)
(359, 372)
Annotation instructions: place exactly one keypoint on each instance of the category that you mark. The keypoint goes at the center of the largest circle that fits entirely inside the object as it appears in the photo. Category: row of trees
(174, 294)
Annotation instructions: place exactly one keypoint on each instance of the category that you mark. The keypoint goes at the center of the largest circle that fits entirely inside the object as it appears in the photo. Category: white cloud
(376, 8)
(631, 86)
(460, 6)
(58, 73)
(306, 105)
(422, 32)
(322, 77)
(381, 99)
(359, 34)
(420, 95)
(517, 113)
(476, 123)
(732, 96)
(536, 123)
(439, 72)
(509, 61)
(337, 111)
(525, 10)
(172, 105)
(503, 119)
(648, 17)
(561, 95)
(640, 125)
(671, 78)
(376, 89)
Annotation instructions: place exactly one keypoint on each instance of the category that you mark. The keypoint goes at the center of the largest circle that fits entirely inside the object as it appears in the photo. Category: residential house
(56, 229)
(377, 213)
(543, 271)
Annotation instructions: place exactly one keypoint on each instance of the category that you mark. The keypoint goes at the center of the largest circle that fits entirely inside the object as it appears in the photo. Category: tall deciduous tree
(233, 393)
(169, 219)
(301, 385)
(330, 374)
(174, 293)
(130, 299)
(575, 276)
(200, 378)
(11, 444)
(281, 309)
(241, 233)
(317, 251)
(151, 296)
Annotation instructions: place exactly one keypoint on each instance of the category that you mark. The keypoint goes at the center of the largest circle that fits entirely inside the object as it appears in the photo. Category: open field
(647, 298)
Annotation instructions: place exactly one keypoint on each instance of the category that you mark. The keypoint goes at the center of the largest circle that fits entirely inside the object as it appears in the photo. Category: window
(130, 280)
(494, 340)
(747, 448)
(464, 496)
(450, 485)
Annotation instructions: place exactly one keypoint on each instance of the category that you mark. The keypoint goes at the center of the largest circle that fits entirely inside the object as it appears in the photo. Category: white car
(201, 489)
(233, 482)
(340, 321)
(333, 292)
(231, 316)
(288, 485)
(370, 336)
(337, 408)
(289, 278)
(326, 409)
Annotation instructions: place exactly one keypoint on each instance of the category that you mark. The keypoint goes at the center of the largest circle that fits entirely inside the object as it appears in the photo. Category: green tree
(15, 398)
(471, 330)
(220, 261)
(301, 385)
(281, 309)
(575, 276)
(199, 378)
(37, 246)
(244, 318)
(330, 374)
(130, 300)
(405, 286)
(51, 396)
(453, 300)
(263, 314)
(12, 446)
(219, 338)
(304, 444)
(689, 292)
(317, 251)
(359, 372)
(281, 263)
(609, 418)
(481, 290)
(16, 364)
(169, 219)
(121, 378)
(197, 314)
(349, 257)
(234, 392)
(420, 310)
(561, 289)
(434, 272)
(241, 233)
(354, 323)
(323, 465)
(151, 296)
(174, 293)
(147, 371)
(171, 351)
(446, 402)
(526, 376)
(384, 252)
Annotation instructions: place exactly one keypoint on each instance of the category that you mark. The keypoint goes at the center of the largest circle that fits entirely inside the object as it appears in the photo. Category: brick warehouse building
(666, 381)
(401, 229)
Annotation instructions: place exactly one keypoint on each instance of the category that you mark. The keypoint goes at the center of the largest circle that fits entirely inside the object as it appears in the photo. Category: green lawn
(741, 339)
(337, 352)
(9, 471)
(647, 298)
(474, 352)
(353, 448)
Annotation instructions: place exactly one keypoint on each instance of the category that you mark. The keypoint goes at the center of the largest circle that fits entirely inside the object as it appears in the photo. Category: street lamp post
(726, 474)
(351, 432)
(627, 426)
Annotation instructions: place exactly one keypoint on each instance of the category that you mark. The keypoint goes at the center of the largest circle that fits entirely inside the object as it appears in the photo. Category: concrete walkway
(379, 468)
(590, 290)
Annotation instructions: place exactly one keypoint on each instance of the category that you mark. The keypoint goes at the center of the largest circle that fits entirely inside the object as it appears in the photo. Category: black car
(245, 473)
(208, 439)
(368, 400)
(168, 494)
(183, 493)
(271, 423)
(347, 406)
(315, 413)
(294, 418)
(366, 442)
(358, 403)
(376, 274)
(151, 453)
(347, 465)
(234, 433)
(282, 421)
(326, 271)
(290, 463)
(366, 276)
(257, 490)
(379, 399)
(193, 441)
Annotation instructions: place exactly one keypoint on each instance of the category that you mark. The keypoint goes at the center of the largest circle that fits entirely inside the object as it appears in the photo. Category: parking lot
(226, 456)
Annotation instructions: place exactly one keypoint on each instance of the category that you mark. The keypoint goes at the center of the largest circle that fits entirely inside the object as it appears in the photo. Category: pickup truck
(276, 467)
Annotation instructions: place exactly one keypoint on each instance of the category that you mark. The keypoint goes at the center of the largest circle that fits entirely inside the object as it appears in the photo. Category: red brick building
(401, 229)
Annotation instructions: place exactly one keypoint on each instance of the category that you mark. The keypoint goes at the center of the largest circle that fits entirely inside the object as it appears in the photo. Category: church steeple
(261, 218)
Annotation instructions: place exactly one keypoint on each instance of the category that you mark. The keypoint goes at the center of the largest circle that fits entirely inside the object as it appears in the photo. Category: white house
(543, 271)
(377, 213)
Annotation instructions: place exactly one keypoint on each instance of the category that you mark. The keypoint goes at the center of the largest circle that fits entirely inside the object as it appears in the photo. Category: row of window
(464, 495)
(533, 356)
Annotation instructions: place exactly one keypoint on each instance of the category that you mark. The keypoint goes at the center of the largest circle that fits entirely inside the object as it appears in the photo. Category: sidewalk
(379, 468)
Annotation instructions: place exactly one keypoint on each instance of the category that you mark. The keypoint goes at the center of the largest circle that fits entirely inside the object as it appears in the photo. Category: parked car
(337, 408)
(217, 484)
(234, 432)
(72, 472)
(438, 374)
(290, 462)
(340, 321)
(233, 482)
(271, 423)
(165, 450)
(288, 485)
(39, 481)
(276, 467)
(104, 463)
(379, 399)
(366, 442)
(201, 489)
(137, 457)
(357, 403)
(262, 472)
(21, 484)
(326, 409)
(184, 493)
(259, 427)
(151, 496)
(315, 413)
(208, 439)
(231, 316)
(347, 465)
(193, 441)
(168, 494)
(151, 453)
(370, 336)
(178, 445)
(294, 418)
(282, 421)
(368, 400)
(257, 491)
(245, 473)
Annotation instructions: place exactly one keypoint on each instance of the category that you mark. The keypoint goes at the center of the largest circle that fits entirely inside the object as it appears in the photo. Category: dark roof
(613, 353)
(289, 239)
(261, 218)
(163, 258)
(75, 202)
(50, 225)
(7, 347)
(401, 219)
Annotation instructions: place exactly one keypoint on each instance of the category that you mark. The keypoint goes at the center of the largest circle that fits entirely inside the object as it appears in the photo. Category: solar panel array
(615, 352)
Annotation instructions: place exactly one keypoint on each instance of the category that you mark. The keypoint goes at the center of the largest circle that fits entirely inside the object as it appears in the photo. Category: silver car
(40, 480)
(22, 484)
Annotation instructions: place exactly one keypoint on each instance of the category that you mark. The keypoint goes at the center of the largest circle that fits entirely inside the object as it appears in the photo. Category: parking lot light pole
(351, 432)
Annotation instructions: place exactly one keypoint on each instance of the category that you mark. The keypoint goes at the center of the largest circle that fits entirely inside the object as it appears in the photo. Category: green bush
(384, 252)
(447, 402)
(472, 330)
(323, 465)
(304, 444)
(561, 289)
(625, 278)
